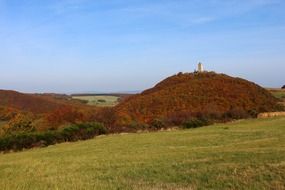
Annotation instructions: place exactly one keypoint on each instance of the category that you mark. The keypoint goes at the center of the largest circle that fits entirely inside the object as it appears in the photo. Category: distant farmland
(98, 100)
(278, 93)
(102, 100)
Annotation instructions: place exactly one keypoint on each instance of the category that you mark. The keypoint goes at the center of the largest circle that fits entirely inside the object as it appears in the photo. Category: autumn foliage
(196, 95)
(27, 102)
(19, 123)
(179, 99)
(188, 100)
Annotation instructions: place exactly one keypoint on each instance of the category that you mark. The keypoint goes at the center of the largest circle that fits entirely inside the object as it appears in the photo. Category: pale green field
(278, 93)
(95, 100)
(242, 155)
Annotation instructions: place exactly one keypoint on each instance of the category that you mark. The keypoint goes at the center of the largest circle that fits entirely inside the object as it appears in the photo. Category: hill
(27, 102)
(196, 94)
(247, 154)
(36, 103)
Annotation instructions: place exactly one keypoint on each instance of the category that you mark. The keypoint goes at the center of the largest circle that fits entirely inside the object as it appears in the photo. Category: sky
(70, 46)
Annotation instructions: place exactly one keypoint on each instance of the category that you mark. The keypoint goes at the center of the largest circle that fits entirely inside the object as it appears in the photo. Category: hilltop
(196, 94)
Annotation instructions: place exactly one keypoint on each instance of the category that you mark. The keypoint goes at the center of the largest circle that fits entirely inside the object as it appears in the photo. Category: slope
(34, 103)
(247, 154)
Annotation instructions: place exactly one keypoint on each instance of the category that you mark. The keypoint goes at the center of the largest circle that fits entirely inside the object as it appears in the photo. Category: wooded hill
(196, 94)
(26, 102)
(34, 103)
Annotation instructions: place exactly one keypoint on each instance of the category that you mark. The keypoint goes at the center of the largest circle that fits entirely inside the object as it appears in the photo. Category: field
(278, 93)
(98, 100)
(247, 154)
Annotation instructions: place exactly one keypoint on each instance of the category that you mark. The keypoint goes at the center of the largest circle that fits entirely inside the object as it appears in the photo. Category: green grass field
(247, 154)
(104, 101)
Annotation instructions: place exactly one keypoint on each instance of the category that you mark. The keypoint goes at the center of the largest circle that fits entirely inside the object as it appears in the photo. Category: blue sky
(124, 45)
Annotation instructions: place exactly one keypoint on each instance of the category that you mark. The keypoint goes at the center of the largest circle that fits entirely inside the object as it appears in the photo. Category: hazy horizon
(74, 46)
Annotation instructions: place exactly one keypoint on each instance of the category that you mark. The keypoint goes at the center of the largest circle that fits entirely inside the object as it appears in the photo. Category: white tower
(200, 68)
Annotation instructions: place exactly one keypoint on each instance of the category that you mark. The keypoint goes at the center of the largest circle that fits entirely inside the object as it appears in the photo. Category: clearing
(278, 93)
(99, 100)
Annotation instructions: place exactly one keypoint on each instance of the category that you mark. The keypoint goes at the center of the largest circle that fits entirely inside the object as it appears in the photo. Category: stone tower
(200, 68)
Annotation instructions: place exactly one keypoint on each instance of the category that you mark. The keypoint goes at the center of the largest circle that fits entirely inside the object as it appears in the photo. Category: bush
(82, 131)
(20, 123)
(237, 113)
(157, 124)
(253, 113)
(178, 118)
(74, 132)
(280, 107)
(137, 125)
(195, 123)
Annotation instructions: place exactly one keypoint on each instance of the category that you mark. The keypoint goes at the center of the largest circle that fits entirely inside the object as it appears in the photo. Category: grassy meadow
(104, 101)
(248, 154)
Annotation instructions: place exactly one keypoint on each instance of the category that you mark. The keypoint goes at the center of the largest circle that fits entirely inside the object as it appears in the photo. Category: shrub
(253, 113)
(137, 125)
(195, 123)
(74, 132)
(82, 131)
(280, 107)
(81, 101)
(7, 113)
(236, 113)
(20, 123)
(179, 118)
(157, 123)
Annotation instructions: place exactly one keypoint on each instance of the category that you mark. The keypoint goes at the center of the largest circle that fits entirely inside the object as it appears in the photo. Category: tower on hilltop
(200, 67)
